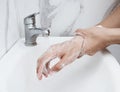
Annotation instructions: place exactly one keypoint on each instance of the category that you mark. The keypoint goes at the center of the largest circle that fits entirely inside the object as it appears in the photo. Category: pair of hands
(87, 41)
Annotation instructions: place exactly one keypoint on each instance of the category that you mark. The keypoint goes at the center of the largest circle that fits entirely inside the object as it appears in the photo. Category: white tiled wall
(9, 33)
(13, 31)
(3, 16)
(25, 8)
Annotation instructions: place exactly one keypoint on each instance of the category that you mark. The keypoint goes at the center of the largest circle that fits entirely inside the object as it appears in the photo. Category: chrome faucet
(31, 31)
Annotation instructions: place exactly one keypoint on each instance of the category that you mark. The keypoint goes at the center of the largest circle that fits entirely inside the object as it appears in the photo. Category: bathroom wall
(9, 32)
(12, 14)
(25, 8)
(3, 14)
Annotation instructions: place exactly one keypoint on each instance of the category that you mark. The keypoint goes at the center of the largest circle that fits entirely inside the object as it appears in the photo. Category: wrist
(112, 35)
(79, 40)
(105, 34)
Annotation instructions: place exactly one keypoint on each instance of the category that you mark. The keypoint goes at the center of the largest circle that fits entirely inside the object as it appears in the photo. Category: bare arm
(113, 20)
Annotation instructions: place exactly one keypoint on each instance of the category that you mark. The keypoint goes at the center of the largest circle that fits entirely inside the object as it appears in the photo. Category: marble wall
(9, 32)
(12, 14)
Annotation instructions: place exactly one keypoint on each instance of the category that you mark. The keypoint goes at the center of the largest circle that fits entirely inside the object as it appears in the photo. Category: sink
(98, 73)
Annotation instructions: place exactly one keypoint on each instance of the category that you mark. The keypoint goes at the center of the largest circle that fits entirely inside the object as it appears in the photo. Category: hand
(88, 41)
(67, 51)
(96, 39)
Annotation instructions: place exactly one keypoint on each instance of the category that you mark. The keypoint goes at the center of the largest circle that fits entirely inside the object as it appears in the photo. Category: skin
(87, 41)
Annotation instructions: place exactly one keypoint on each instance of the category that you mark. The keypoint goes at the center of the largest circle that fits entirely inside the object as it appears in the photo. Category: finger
(45, 72)
(49, 55)
(41, 61)
(62, 63)
(39, 71)
(47, 66)
(57, 67)
(51, 63)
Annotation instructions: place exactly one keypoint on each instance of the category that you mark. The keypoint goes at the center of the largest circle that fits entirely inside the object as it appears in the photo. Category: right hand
(95, 39)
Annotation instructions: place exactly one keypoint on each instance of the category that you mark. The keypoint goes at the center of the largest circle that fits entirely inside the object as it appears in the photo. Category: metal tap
(31, 31)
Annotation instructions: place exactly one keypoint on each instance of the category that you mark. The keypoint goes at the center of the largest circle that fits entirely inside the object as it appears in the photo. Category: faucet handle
(30, 19)
(33, 15)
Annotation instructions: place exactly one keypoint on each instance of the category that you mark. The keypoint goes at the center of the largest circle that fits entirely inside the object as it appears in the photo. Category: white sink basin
(98, 73)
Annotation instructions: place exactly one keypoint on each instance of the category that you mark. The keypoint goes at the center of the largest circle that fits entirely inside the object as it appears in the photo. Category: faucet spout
(32, 34)
(42, 31)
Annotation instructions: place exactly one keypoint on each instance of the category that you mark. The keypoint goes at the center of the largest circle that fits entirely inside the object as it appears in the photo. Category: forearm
(114, 36)
(113, 20)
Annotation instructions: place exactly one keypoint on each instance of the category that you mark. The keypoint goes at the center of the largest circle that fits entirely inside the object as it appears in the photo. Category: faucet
(31, 31)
